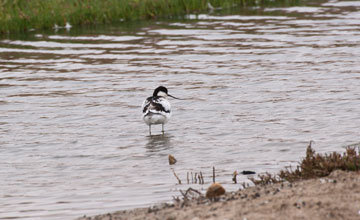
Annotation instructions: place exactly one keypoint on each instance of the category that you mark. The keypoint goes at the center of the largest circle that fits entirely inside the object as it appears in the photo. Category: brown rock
(172, 159)
(215, 190)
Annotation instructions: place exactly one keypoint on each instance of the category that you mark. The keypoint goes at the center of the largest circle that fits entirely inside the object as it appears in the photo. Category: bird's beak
(173, 97)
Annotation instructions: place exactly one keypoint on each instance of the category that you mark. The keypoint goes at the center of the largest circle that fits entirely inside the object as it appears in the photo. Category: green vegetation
(25, 15)
(315, 165)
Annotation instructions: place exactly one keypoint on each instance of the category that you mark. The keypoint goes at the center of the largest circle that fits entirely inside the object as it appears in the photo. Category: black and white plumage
(156, 109)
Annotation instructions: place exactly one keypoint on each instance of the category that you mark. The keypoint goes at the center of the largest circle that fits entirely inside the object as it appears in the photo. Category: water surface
(258, 89)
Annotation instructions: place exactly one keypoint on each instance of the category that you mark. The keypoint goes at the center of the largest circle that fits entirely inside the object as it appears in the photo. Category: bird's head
(162, 92)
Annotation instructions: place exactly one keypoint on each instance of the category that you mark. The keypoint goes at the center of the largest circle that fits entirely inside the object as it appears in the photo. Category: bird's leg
(163, 129)
(150, 130)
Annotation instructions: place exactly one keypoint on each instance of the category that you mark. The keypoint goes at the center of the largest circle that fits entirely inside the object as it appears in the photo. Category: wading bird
(156, 109)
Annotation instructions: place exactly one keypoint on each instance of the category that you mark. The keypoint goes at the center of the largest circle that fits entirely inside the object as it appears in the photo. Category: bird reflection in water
(158, 143)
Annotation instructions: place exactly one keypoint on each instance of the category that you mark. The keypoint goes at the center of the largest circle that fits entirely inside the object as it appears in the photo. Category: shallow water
(258, 88)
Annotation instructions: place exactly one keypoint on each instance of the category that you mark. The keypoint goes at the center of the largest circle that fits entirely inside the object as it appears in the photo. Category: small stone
(256, 195)
(171, 217)
(244, 196)
(215, 190)
(213, 209)
(172, 159)
(297, 205)
(276, 191)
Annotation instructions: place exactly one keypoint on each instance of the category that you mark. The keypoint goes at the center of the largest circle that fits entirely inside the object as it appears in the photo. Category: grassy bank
(25, 15)
(315, 165)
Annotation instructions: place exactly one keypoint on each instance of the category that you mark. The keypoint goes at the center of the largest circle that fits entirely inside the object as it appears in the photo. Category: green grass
(314, 165)
(25, 15)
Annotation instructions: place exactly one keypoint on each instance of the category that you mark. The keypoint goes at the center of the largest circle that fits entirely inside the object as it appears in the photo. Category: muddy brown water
(258, 88)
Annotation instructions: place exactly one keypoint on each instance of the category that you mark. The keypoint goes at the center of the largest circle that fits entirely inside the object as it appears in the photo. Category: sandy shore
(334, 197)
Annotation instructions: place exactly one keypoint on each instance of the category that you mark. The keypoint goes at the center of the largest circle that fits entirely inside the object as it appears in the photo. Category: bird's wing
(156, 105)
(146, 104)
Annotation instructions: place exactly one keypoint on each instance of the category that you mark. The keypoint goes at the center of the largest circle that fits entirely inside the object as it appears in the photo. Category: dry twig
(234, 176)
(213, 174)
(176, 176)
(202, 178)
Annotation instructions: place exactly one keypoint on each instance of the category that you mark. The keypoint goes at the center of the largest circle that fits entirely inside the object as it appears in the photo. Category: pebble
(256, 195)
(276, 191)
(172, 159)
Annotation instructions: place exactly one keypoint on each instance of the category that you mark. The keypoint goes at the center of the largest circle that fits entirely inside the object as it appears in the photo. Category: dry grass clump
(265, 179)
(315, 165)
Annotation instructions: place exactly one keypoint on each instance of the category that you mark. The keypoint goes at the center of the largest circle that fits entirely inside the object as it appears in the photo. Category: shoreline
(333, 197)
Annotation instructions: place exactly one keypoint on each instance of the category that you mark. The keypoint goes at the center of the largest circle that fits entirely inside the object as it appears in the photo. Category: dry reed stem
(176, 176)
